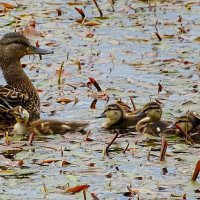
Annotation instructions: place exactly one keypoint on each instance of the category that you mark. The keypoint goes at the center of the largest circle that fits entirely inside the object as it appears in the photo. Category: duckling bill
(24, 127)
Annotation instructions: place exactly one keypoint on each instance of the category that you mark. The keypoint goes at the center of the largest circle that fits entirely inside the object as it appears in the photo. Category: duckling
(189, 123)
(116, 117)
(150, 122)
(24, 127)
(19, 89)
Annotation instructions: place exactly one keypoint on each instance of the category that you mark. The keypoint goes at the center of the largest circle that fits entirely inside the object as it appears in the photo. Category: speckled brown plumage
(19, 89)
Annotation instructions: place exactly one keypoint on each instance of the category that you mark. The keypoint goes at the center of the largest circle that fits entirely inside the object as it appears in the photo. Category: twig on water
(133, 104)
(124, 151)
(163, 149)
(112, 141)
(101, 13)
(60, 72)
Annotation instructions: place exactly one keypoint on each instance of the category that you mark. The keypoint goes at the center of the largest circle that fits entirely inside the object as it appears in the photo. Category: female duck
(116, 117)
(19, 89)
(24, 127)
(151, 122)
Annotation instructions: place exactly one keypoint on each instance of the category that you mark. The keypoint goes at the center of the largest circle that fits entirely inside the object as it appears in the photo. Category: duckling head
(21, 115)
(151, 112)
(185, 123)
(113, 114)
(14, 46)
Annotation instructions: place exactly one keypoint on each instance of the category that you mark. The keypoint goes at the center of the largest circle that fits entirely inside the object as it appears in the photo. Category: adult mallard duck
(190, 124)
(117, 117)
(19, 89)
(24, 127)
(151, 122)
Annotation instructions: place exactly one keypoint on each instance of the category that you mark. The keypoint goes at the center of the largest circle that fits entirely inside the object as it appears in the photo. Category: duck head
(186, 122)
(113, 114)
(13, 46)
(151, 112)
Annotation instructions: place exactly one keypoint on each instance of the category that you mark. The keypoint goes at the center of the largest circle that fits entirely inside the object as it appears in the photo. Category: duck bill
(102, 116)
(141, 114)
(171, 126)
(35, 50)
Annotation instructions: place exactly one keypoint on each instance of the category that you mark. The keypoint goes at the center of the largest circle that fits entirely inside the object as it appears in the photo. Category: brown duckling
(151, 122)
(190, 124)
(24, 127)
(19, 89)
(116, 117)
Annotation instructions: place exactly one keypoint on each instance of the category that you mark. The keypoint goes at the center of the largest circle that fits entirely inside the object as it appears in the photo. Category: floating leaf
(77, 189)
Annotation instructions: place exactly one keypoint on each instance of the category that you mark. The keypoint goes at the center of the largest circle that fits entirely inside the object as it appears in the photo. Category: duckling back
(55, 126)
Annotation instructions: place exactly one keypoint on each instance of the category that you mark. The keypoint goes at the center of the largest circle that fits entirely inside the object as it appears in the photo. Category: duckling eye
(182, 121)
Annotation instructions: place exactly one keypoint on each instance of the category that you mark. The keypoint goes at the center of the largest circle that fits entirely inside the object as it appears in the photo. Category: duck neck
(108, 123)
(17, 78)
(141, 125)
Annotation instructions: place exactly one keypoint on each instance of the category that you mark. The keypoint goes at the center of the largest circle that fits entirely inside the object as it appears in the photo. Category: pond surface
(122, 52)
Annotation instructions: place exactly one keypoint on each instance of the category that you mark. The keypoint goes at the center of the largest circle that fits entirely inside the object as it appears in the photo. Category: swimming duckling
(189, 123)
(150, 122)
(23, 126)
(116, 117)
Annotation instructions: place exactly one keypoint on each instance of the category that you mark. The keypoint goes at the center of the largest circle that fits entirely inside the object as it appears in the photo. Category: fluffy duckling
(150, 122)
(116, 117)
(189, 123)
(24, 127)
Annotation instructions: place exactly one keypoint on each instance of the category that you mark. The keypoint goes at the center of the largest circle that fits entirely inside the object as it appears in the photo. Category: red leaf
(196, 171)
(93, 81)
(77, 189)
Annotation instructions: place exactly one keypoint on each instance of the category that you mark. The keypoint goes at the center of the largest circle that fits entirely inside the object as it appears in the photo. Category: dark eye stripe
(108, 109)
(182, 121)
(154, 107)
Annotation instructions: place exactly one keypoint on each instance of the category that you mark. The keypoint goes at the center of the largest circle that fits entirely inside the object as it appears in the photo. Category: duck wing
(12, 95)
(9, 98)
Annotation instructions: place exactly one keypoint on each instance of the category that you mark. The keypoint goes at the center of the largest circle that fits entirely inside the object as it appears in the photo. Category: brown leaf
(59, 11)
(91, 23)
(164, 145)
(160, 87)
(7, 5)
(75, 3)
(64, 100)
(93, 104)
(49, 161)
(80, 11)
(52, 44)
(109, 175)
(77, 189)
(94, 82)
